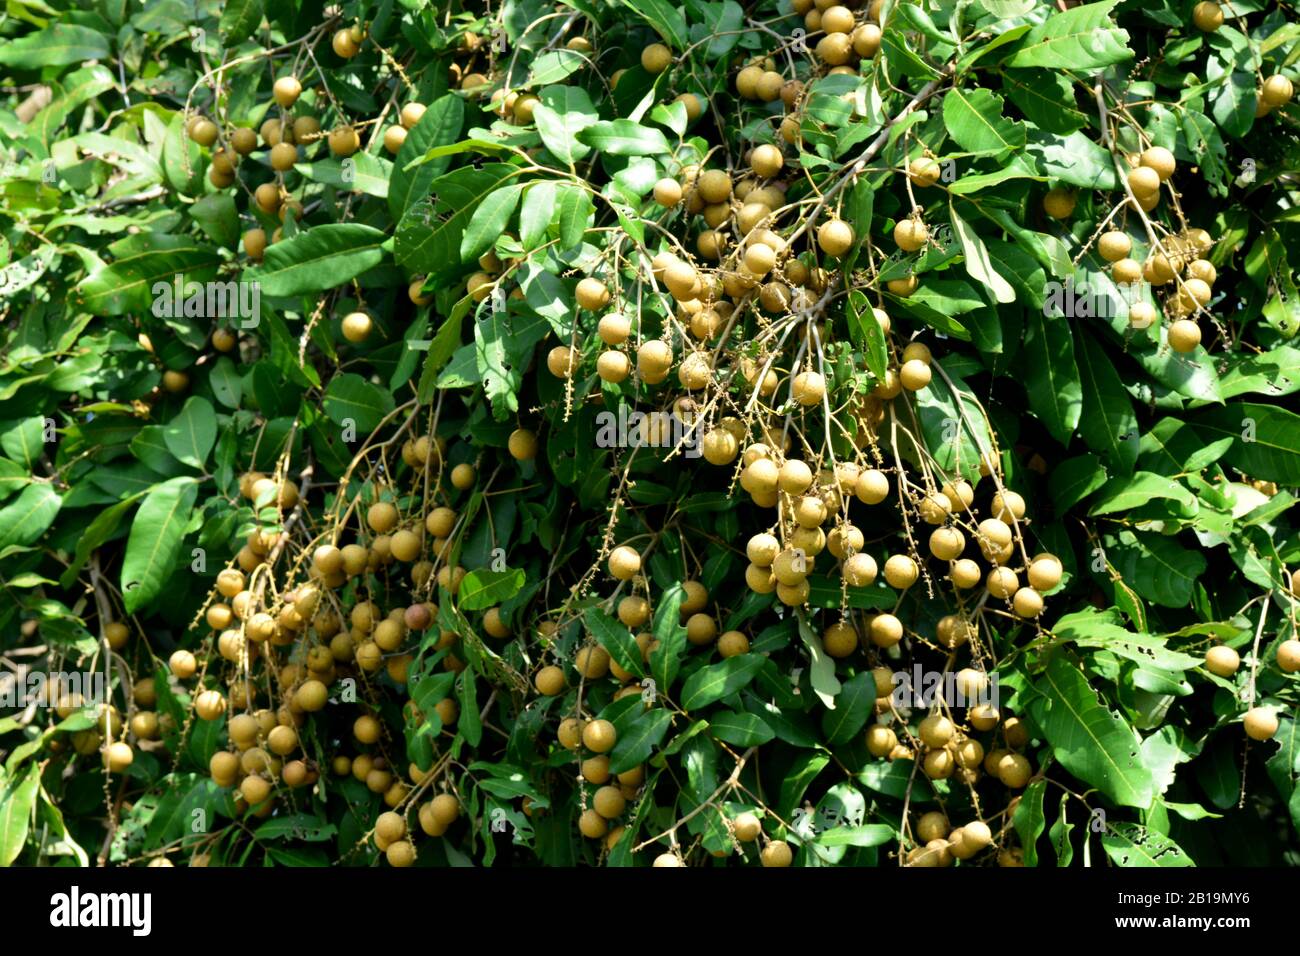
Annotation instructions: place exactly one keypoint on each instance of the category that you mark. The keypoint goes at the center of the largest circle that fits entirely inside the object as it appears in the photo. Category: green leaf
(953, 424)
(240, 19)
(1087, 738)
(720, 680)
(536, 213)
(131, 283)
(191, 434)
(979, 264)
(155, 540)
(1060, 834)
(439, 126)
(24, 440)
(1124, 494)
(671, 636)
(429, 234)
(1157, 567)
(1080, 39)
(1091, 628)
(17, 798)
(639, 740)
(1029, 820)
(1051, 375)
(974, 119)
(489, 221)
(855, 702)
(317, 259)
(615, 638)
(563, 113)
(668, 20)
(1107, 422)
(1264, 443)
(740, 729)
(1130, 844)
(623, 137)
(349, 397)
(486, 588)
(1046, 99)
(359, 172)
(1074, 479)
(59, 44)
(28, 516)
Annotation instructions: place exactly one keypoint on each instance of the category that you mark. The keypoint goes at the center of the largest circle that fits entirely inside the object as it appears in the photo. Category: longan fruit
(1288, 656)
(1207, 16)
(776, 854)
(394, 137)
(1013, 770)
(254, 241)
(747, 827)
(522, 444)
(356, 327)
(1277, 91)
(1261, 723)
(344, 141)
(286, 91)
(1222, 661)
(1184, 335)
(624, 563)
(835, 238)
(599, 736)
(119, 756)
(1059, 203)
(182, 664)
(283, 156)
(656, 58)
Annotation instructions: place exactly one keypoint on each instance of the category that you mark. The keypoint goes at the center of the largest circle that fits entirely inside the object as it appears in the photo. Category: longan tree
(788, 433)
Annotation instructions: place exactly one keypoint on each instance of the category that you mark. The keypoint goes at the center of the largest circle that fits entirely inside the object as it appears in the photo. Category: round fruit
(668, 192)
(915, 375)
(1277, 91)
(747, 827)
(286, 91)
(766, 161)
(911, 234)
(1288, 656)
(835, 237)
(1222, 661)
(624, 563)
(1059, 203)
(1160, 160)
(1260, 723)
(1184, 335)
(549, 681)
(1114, 245)
(522, 444)
(357, 327)
(599, 736)
(394, 137)
(283, 156)
(592, 294)
(656, 58)
(776, 854)
(1208, 16)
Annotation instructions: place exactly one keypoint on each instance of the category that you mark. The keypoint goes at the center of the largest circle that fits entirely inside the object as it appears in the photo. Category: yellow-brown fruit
(522, 445)
(1222, 661)
(283, 156)
(656, 58)
(1059, 203)
(344, 141)
(1277, 91)
(286, 91)
(835, 237)
(394, 137)
(1207, 16)
(599, 736)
